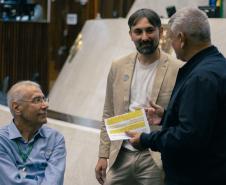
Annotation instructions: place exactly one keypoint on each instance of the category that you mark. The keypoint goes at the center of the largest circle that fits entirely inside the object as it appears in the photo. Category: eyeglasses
(38, 100)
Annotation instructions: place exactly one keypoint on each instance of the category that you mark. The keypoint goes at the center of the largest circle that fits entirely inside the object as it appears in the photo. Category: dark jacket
(192, 141)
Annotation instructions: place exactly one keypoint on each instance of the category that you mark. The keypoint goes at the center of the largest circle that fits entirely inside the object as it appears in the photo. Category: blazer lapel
(127, 79)
(160, 74)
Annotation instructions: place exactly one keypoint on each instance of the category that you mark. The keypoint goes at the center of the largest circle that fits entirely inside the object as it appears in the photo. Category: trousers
(134, 168)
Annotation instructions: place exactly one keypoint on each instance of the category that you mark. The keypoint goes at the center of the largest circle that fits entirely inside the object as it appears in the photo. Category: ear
(16, 108)
(130, 34)
(182, 38)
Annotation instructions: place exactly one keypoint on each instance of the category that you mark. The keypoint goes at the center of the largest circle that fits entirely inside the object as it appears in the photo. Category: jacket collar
(128, 75)
(160, 75)
(127, 78)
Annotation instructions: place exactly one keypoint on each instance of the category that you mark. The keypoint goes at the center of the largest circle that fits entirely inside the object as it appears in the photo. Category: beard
(147, 47)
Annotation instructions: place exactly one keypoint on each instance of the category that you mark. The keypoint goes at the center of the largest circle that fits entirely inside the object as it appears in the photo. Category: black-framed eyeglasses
(38, 100)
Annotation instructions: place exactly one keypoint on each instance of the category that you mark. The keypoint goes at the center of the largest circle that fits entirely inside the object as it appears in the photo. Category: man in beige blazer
(134, 81)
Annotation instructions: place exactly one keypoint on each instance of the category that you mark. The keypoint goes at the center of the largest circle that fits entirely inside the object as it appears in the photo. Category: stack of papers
(132, 121)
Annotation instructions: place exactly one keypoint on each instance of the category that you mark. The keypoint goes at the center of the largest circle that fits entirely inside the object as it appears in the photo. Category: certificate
(132, 121)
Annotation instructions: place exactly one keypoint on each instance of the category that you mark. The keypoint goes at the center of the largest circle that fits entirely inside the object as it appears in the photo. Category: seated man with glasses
(30, 153)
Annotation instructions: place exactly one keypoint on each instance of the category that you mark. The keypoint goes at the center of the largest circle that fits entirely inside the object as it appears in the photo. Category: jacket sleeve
(104, 147)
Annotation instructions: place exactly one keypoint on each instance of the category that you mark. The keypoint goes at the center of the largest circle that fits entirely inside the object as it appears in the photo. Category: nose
(144, 36)
(45, 104)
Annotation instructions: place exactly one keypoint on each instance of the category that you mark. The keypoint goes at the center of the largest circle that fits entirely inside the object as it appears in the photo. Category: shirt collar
(14, 133)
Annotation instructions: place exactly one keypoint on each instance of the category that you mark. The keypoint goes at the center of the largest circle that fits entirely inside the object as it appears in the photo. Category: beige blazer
(117, 98)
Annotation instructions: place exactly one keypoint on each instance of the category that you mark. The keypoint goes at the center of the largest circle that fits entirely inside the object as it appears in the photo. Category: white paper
(132, 121)
(72, 19)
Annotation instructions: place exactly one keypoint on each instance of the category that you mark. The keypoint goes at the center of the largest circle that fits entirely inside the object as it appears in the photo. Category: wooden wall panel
(24, 52)
(62, 36)
(24, 45)
(115, 8)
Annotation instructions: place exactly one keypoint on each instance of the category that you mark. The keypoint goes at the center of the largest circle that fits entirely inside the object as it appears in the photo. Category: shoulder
(124, 60)
(51, 133)
(122, 63)
(4, 131)
(5, 140)
(210, 68)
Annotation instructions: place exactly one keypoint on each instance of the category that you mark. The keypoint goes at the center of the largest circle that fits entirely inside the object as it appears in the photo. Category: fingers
(134, 136)
(100, 170)
(99, 179)
(157, 109)
(100, 176)
(154, 105)
(149, 114)
(149, 109)
(130, 133)
(134, 139)
(103, 175)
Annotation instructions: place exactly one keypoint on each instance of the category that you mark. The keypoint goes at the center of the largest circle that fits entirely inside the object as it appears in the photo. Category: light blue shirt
(45, 164)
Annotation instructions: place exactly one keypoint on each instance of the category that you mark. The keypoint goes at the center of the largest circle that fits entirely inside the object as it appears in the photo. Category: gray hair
(193, 22)
(16, 92)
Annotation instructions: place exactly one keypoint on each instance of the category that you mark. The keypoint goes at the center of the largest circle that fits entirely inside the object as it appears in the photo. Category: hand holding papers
(132, 121)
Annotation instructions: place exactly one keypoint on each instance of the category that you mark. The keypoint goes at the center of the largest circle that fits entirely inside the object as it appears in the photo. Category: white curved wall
(80, 88)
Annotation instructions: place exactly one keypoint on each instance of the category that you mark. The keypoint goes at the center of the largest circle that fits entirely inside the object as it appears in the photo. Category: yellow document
(132, 121)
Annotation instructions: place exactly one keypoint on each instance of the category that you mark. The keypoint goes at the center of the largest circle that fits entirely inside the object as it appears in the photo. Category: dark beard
(147, 47)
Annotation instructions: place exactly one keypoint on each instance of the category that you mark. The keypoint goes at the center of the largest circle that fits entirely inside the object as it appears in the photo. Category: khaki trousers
(134, 168)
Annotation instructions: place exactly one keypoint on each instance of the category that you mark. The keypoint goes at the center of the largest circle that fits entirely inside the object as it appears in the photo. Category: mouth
(145, 45)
